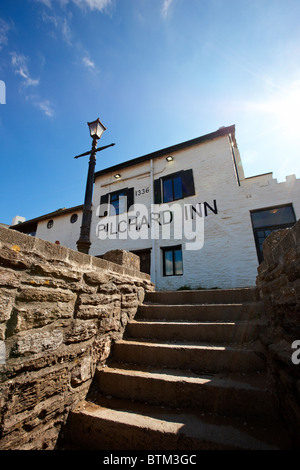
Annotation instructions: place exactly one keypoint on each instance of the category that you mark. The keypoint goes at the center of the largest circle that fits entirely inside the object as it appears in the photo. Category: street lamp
(96, 130)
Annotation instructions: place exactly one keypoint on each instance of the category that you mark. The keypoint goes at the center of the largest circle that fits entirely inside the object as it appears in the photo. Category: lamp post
(96, 131)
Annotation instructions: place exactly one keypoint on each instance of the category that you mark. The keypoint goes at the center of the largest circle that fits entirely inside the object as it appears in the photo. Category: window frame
(187, 186)
(172, 249)
(121, 192)
(105, 201)
(272, 228)
(171, 178)
(73, 218)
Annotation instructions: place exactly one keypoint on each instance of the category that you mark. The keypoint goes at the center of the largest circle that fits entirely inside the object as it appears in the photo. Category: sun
(286, 110)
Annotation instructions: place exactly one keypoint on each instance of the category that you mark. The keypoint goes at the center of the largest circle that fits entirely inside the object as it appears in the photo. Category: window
(173, 187)
(73, 218)
(117, 200)
(172, 261)
(50, 224)
(265, 221)
(121, 201)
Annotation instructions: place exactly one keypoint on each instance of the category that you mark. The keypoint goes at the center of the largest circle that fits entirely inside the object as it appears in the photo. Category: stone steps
(184, 376)
(210, 296)
(196, 357)
(232, 394)
(217, 332)
(111, 424)
(201, 312)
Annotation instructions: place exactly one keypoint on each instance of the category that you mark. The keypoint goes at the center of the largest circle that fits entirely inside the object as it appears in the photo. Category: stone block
(296, 232)
(96, 277)
(28, 393)
(86, 312)
(99, 263)
(287, 242)
(292, 270)
(81, 259)
(12, 258)
(80, 331)
(82, 372)
(10, 278)
(7, 297)
(129, 301)
(50, 251)
(34, 342)
(102, 348)
(98, 299)
(13, 237)
(124, 258)
(31, 316)
(40, 294)
(50, 270)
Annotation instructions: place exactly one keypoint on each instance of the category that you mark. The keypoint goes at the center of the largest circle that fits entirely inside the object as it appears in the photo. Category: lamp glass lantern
(96, 129)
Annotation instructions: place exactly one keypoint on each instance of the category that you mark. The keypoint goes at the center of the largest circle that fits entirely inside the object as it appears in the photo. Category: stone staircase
(189, 374)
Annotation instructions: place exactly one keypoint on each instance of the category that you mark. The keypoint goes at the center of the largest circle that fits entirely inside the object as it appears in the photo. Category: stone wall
(278, 282)
(60, 312)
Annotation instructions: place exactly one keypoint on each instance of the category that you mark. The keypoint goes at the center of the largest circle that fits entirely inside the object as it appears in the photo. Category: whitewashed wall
(63, 230)
(228, 257)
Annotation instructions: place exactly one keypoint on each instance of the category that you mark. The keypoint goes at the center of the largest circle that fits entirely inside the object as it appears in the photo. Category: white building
(153, 204)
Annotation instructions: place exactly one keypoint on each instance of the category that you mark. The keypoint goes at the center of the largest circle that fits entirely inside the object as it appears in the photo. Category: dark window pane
(188, 187)
(173, 261)
(168, 263)
(117, 203)
(178, 261)
(177, 188)
(273, 217)
(168, 190)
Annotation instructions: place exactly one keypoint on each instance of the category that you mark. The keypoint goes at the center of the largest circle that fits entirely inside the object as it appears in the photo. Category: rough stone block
(32, 316)
(12, 258)
(36, 294)
(82, 259)
(10, 278)
(7, 297)
(43, 269)
(86, 312)
(80, 331)
(37, 342)
(96, 277)
(82, 372)
(13, 237)
(50, 251)
(124, 258)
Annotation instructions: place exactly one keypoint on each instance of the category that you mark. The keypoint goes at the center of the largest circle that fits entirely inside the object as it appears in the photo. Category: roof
(174, 148)
(51, 215)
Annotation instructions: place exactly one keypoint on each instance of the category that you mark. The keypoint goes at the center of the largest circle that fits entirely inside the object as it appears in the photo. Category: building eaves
(168, 150)
(51, 215)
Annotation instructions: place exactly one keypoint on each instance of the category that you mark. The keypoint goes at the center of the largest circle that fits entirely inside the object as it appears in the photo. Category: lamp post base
(83, 247)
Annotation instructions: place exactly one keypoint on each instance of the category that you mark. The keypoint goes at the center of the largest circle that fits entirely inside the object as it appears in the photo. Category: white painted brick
(228, 257)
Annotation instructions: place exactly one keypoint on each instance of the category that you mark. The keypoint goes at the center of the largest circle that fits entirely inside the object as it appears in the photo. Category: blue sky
(156, 72)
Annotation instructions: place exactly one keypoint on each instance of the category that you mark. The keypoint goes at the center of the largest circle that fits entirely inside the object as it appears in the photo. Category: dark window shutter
(188, 187)
(103, 205)
(157, 191)
(130, 198)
